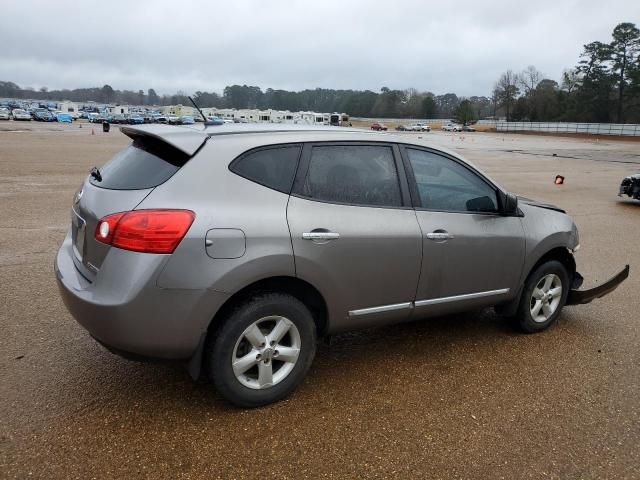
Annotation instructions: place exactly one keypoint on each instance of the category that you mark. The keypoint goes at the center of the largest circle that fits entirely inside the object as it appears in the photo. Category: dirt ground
(455, 397)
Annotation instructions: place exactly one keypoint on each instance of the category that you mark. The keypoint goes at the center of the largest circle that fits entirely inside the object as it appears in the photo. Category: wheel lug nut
(276, 353)
(258, 357)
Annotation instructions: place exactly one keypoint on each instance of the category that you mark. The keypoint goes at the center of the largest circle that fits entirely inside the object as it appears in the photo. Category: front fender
(545, 230)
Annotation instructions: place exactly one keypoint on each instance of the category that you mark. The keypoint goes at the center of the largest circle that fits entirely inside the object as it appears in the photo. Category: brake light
(148, 231)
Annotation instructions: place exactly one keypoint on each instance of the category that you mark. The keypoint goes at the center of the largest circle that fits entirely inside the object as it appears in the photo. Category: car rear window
(273, 167)
(146, 163)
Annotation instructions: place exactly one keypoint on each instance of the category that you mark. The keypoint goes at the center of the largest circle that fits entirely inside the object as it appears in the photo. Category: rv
(339, 119)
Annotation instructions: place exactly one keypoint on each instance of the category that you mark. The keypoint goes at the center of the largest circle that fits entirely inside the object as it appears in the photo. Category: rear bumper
(125, 310)
(580, 297)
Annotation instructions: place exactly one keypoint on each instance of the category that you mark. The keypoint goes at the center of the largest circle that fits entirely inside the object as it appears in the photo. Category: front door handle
(439, 235)
(320, 235)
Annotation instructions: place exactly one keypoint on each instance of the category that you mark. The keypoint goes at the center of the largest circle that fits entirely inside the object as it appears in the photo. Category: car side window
(444, 184)
(272, 167)
(354, 174)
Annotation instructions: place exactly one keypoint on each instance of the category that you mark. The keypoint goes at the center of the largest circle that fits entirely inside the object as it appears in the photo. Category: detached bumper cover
(580, 297)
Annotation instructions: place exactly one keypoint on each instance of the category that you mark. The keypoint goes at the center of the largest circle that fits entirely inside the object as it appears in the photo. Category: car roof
(189, 138)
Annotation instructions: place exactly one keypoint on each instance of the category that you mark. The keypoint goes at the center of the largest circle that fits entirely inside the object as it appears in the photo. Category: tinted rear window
(353, 174)
(273, 167)
(144, 164)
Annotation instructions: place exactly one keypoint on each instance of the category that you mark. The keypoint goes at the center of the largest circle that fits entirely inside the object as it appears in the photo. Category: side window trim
(305, 160)
(402, 177)
(262, 148)
(413, 184)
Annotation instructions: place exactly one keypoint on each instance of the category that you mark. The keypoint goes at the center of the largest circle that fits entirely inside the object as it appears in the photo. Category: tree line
(604, 86)
(408, 103)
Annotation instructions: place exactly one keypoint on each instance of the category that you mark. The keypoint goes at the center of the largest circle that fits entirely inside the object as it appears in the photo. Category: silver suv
(235, 247)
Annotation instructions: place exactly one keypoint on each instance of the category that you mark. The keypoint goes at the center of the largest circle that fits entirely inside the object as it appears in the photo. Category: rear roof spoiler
(186, 140)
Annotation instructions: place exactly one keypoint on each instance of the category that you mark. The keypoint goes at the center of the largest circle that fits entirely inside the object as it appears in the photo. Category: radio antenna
(206, 121)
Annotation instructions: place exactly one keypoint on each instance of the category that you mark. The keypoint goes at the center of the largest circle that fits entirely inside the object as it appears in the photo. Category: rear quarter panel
(224, 200)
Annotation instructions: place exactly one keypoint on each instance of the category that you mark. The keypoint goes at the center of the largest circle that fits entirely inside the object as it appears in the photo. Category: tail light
(148, 231)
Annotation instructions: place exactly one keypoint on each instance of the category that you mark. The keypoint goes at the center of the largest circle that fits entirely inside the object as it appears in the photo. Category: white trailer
(118, 109)
(68, 107)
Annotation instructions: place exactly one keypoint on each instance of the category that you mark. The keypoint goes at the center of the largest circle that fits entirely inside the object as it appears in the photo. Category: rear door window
(273, 167)
(146, 163)
(353, 174)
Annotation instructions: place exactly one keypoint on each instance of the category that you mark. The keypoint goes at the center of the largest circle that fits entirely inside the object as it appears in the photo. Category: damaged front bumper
(580, 297)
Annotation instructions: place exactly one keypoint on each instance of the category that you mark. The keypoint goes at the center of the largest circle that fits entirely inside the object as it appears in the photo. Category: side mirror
(509, 204)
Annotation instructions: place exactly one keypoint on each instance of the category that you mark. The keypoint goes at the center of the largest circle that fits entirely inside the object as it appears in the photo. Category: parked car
(21, 115)
(119, 119)
(630, 187)
(42, 115)
(229, 248)
(377, 126)
(5, 114)
(468, 128)
(99, 118)
(136, 119)
(64, 117)
(418, 127)
(172, 119)
(452, 127)
(187, 120)
(162, 119)
(403, 128)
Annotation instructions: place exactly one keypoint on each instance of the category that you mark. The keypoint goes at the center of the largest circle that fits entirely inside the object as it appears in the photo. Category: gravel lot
(455, 397)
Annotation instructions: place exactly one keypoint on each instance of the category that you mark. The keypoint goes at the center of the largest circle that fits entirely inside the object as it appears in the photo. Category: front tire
(263, 350)
(544, 294)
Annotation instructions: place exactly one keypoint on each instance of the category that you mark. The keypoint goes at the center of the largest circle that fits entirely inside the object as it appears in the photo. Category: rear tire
(545, 293)
(263, 350)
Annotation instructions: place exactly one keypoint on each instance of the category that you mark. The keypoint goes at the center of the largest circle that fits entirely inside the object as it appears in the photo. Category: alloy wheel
(545, 298)
(266, 352)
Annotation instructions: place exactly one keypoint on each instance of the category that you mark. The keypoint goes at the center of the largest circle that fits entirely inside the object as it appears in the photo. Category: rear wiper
(95, 173)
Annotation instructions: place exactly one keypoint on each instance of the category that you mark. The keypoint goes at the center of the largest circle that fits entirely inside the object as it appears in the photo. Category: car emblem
(78, 195)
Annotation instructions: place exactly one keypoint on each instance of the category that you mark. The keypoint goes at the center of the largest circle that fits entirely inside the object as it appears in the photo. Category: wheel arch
(298, 288)
(561, 254)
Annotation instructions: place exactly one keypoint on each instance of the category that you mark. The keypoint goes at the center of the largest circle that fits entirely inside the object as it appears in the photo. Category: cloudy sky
(459, 46)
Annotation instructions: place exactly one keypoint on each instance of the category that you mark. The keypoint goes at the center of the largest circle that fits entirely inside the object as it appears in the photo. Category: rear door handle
(320, 235)
(439, 235)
